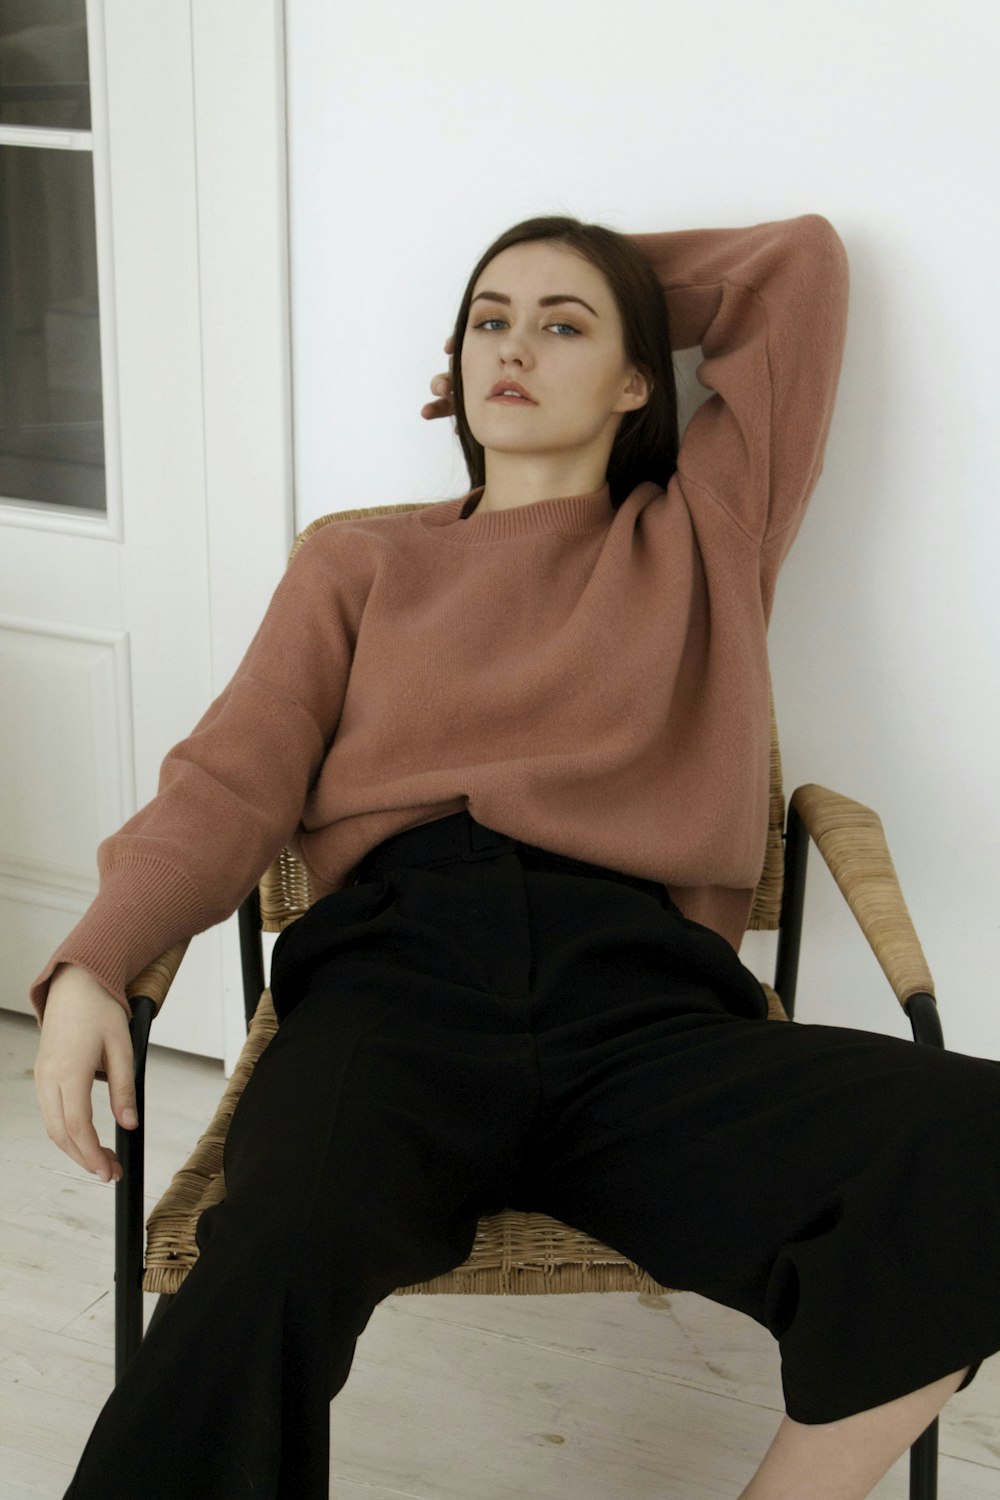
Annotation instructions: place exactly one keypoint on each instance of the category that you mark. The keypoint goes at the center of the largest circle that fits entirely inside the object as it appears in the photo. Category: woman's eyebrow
(542, 301)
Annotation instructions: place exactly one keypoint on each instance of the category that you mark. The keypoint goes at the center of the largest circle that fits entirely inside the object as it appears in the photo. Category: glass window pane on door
(44, 73)
(51, 408)
(51, 411)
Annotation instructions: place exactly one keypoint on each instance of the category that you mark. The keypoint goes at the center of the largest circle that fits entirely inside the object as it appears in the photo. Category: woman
(520, 739)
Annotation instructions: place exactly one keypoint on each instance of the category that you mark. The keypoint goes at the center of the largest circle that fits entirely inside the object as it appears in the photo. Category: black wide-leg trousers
(478, 1023)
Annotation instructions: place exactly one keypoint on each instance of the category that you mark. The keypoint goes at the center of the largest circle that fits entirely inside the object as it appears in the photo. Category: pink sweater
(591, 680)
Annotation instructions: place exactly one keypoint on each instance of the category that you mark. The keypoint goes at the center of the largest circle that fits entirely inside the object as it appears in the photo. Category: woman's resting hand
(441, 385)
(84, 1028)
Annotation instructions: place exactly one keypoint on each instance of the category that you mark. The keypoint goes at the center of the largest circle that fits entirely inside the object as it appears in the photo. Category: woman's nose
(512, 346)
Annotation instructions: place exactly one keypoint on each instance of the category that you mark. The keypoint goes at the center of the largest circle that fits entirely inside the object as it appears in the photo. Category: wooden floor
(593, 1397)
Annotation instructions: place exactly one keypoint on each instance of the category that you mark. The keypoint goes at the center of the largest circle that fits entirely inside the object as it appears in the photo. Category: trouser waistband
(460, 836)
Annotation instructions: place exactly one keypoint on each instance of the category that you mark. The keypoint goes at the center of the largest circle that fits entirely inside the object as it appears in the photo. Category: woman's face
(569, 355)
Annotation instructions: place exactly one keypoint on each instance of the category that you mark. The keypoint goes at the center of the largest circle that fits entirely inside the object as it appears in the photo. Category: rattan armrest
(851, 839)
(157, 977)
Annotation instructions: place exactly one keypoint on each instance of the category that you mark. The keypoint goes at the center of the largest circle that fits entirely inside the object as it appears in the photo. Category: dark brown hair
(647, 440)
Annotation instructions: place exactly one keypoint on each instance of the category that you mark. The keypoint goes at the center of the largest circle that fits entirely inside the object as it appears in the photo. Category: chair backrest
(284, 888)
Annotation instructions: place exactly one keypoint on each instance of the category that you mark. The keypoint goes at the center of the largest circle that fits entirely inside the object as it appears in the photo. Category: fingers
(444, 406)
(120, 1067)
(69, 1124)
(441, 385)
(70, 1050)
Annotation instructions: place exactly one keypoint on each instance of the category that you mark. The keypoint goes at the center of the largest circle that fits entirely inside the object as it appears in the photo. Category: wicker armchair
(513, 1252)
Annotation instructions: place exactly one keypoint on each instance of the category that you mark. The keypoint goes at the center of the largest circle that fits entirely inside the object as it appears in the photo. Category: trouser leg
(368, 1140)
(840, 1186)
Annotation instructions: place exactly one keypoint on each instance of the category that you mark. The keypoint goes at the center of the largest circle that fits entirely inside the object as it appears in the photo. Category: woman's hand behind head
(441, 385)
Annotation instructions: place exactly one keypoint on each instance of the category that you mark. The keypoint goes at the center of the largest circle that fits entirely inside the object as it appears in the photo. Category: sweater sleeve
(768, 306)
(230, 795)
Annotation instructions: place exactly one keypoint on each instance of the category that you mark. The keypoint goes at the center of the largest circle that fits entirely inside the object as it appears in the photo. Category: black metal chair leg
(924, 1464)
(130, 1147)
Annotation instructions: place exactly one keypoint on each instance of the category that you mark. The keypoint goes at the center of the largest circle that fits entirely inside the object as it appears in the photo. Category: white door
(145, 473)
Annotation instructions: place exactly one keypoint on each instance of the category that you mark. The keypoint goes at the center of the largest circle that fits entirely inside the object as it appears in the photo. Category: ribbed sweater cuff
(143, 907)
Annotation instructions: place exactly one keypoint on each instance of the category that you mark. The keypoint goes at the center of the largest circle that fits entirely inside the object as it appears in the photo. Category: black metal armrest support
(129, 1220)
(251, 953)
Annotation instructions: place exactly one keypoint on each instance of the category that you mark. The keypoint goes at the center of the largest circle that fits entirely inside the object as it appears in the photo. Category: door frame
(238, 50)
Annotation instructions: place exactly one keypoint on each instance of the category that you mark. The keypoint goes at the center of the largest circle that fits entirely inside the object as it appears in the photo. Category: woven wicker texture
(851, 839)
(156, 979)
(765, 914)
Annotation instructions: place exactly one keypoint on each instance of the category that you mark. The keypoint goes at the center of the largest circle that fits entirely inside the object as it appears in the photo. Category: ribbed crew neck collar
(569, 514)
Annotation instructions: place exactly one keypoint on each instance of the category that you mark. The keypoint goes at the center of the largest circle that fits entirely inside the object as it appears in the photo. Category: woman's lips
(521, 400)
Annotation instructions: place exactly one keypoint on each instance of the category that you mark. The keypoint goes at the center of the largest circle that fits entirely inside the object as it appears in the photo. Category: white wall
(419, 132)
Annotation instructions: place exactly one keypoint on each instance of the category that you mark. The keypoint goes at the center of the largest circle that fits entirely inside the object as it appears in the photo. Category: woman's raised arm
(767, 304)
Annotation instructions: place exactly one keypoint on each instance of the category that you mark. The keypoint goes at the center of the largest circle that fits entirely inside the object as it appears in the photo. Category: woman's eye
(551, 325)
